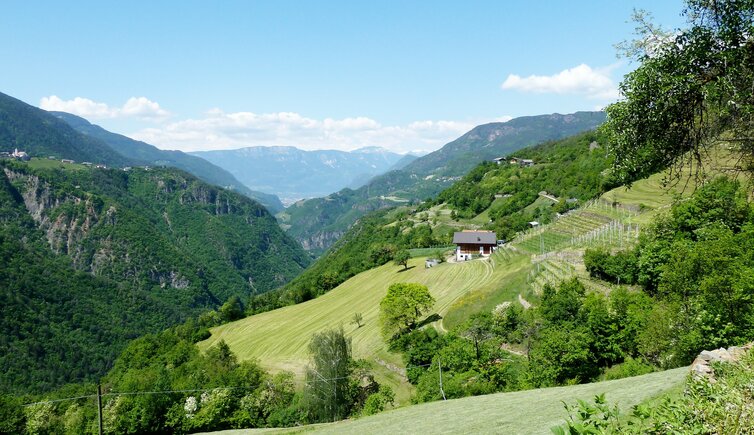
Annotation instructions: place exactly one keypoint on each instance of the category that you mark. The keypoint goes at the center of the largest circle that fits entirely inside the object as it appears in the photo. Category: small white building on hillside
(20, 155)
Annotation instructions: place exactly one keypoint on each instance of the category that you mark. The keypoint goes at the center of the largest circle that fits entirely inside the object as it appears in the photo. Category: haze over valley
(293, 174)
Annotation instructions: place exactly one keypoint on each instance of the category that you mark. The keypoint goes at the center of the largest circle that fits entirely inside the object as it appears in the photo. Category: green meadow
(520, 412)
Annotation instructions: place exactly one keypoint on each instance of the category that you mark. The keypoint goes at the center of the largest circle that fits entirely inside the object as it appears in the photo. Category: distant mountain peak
(145, 153)
(371, 150)
(317, 173)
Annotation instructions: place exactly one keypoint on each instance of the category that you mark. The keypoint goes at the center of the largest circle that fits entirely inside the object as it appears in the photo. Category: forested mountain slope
(488, 141)
(97, 256)
(317, 223)
(145, 152)
(41, 134)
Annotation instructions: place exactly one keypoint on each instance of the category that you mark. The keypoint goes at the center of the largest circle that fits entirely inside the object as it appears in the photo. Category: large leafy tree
(693, 88)
(401, 258)
(403, 306)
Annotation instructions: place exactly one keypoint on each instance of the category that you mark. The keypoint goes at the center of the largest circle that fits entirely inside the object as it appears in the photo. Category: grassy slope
(658, 191)
(42, 163)
(532, 411)
(279, 338)
(514, 273)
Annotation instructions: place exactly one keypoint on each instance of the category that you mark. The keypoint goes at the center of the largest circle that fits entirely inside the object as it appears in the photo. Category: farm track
(524, 303)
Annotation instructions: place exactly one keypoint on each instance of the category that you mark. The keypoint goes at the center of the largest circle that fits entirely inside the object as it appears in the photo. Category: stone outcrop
(321, 240)
(702, 365)
(64, 230)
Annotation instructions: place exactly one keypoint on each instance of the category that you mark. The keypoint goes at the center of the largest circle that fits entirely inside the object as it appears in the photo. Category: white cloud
(143, 108)
(581, 80)
(78, 106)
(137, 107)
(220, 130)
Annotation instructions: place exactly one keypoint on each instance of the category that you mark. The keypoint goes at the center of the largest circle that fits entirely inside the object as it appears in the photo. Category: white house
(20, 155)
(470, 243)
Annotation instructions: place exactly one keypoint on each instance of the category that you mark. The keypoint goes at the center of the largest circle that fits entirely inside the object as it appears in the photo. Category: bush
(376, 402)
(723, 406)
(621, 267)
(12, 419)
(628, 368)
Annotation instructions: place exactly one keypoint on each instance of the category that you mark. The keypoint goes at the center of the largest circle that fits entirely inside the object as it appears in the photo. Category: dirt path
(508, 348)
(486, 275)
(548, 196)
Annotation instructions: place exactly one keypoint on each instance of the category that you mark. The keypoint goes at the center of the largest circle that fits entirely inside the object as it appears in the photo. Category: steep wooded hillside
(318, 223)
(488, 141)
(97, 256)
(41, 134)
(145, 152)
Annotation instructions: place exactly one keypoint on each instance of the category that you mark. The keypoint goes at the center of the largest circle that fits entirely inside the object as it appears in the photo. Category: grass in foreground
(521, 412)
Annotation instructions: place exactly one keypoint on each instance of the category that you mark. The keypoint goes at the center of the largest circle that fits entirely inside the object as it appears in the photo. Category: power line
(195, 390)
(45, 402)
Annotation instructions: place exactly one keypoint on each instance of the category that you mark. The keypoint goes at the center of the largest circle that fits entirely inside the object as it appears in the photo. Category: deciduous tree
(401, 258)
(403, 306)
(327, 394)
(692, 89)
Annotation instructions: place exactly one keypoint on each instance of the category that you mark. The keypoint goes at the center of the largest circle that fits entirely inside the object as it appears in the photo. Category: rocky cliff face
(65, 219)
(161, 229)
(321, 241)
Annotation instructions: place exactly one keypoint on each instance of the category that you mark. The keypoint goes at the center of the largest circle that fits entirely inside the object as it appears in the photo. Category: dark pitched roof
(475, 237)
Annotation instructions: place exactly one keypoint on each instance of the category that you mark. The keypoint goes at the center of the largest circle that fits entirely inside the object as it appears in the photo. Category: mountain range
(294, 174)
(139, 151)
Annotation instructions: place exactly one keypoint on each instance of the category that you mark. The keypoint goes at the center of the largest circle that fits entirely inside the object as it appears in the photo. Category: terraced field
(565, 231)
(549, 271)
(657, 192)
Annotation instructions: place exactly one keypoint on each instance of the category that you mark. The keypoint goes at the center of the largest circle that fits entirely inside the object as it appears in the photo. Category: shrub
(628, 368)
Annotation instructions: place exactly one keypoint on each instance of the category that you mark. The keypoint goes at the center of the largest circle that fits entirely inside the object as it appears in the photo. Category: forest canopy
(692, 90)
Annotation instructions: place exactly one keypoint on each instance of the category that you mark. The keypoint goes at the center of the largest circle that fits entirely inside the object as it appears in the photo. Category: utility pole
(99, 407)
(541, 241)
(439, 366)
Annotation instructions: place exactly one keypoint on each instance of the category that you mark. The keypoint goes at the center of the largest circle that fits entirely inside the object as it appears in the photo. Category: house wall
(464, 250)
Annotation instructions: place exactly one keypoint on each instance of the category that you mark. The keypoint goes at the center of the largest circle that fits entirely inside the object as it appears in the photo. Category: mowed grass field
(520, 412)
(39, 163)
(279, 338)
(658, 191)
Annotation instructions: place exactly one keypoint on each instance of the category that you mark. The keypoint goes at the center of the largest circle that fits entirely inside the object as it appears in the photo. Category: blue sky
(404, 75)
